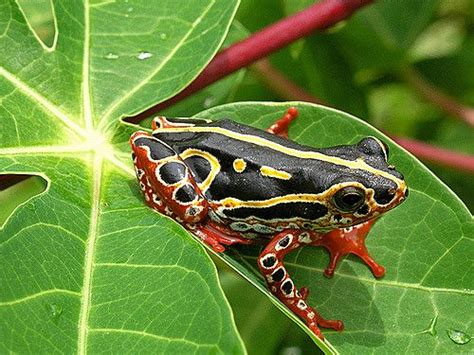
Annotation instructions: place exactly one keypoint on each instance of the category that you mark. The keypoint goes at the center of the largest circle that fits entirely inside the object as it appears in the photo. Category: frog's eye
(349, 199)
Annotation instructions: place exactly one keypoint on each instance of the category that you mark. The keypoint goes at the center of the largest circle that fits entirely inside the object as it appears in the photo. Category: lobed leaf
(86, 267)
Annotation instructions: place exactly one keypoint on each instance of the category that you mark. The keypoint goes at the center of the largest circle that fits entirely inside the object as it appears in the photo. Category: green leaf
(86, 267)
(425, 244)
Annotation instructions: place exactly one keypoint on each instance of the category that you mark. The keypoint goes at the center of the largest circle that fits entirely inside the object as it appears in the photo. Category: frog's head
(366, 187)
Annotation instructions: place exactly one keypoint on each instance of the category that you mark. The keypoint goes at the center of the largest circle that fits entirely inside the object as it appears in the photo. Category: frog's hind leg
(169, 188)
(271, 265)
(280, 127)
(166, 180)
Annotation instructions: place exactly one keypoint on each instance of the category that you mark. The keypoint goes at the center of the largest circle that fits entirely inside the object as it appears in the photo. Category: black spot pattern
(269, 261)
(172, 172)
(158, 150)
(186, 193)
(278, 275)
(363, 210)
(287, 287)
(199, 166)
(283, 243)
(384, 196)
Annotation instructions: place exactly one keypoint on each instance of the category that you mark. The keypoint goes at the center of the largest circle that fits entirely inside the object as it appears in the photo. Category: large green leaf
(86, 266)
(425, 244)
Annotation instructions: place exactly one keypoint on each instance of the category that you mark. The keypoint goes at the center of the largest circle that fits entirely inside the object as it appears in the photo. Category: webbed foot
(351, 240)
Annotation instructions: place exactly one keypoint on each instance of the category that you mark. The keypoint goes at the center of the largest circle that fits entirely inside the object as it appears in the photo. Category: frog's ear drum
(374, 147)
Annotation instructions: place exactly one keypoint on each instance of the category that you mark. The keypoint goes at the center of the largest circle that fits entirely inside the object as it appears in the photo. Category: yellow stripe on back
(251, 139)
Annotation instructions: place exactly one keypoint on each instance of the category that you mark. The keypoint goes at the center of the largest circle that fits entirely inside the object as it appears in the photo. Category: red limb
(271, 265)
(351, 240)
(280, 127)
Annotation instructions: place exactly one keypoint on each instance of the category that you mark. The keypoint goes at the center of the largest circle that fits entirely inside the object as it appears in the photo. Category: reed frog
(229, 183)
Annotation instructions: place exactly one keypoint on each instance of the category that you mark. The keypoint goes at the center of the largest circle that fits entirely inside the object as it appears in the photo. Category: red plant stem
(289, 90)
(431, 93)
(319, 16)
(437, 155)
(281, 85)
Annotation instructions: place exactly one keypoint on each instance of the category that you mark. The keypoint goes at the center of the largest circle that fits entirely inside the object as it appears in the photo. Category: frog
(228, 183)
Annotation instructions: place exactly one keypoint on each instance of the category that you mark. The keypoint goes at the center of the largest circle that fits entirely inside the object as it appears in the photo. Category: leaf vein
(39, 294)
(154, 336)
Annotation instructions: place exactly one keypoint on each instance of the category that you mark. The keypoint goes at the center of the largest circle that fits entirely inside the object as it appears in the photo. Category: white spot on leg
(304, 238)
(302, 305)
(284, 242)
(288, 288)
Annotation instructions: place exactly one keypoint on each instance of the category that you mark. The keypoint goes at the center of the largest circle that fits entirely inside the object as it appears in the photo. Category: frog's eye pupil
(349, 199)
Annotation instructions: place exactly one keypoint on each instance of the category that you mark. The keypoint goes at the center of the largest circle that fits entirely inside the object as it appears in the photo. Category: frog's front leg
(166, 180)
(281, 285)
(351, 240)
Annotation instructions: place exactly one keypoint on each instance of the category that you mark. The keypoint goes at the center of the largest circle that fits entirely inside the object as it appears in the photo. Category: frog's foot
(215, 236)
(208, 237)
(271, 265)
(351, 240)
(280, 127)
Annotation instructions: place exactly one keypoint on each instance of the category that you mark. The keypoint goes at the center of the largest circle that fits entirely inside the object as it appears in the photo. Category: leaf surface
(86, 267)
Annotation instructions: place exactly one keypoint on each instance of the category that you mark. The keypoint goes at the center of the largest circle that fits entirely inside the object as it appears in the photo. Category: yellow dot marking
(278, 174)
(239, 165)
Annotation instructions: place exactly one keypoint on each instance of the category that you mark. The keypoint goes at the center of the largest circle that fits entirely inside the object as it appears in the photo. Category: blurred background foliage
(368, 66)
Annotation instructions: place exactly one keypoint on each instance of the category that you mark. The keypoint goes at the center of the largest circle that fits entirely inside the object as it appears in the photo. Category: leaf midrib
(89, 256)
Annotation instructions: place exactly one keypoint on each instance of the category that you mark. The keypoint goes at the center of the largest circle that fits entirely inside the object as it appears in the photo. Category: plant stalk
(434, 95)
